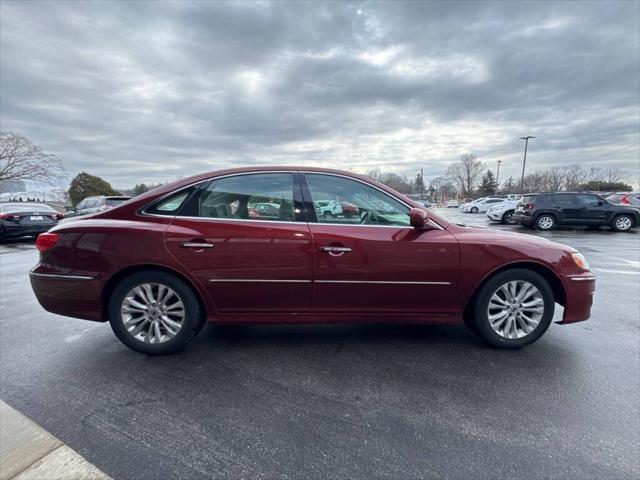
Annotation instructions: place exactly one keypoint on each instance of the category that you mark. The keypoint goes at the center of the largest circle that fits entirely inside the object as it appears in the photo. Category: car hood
(518, 241)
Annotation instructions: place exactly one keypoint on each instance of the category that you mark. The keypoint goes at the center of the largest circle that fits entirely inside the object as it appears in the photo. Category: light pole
(498, 177)
(524, 162)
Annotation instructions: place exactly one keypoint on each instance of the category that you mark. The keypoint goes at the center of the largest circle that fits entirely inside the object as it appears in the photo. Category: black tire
(480, 313)
(474, 210)
(507, 218)
(327, 214)
(620, 220)
(545, 222)
(191, 325)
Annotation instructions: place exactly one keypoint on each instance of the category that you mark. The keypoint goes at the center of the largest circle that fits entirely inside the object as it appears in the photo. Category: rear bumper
(9, 231)
(579, 291)
(524, 219)
(66, 294)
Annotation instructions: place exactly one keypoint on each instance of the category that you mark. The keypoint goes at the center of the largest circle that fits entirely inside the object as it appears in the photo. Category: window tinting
(588, 200)
(563, 200)
(259, 196)
(342, 200)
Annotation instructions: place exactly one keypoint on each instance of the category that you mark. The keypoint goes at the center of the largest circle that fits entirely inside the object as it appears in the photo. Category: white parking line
(622, 272)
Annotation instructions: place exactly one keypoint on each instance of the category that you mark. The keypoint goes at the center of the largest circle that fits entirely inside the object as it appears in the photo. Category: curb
(27, 451)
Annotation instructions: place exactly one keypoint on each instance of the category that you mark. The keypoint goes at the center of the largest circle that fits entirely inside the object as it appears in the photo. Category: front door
(240, 237)
(371, 260)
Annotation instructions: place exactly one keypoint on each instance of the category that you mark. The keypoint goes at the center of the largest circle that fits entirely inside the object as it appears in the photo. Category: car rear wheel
(622, 223)
(545, 222)
(327, 215)
(513, 309)
(154, 313)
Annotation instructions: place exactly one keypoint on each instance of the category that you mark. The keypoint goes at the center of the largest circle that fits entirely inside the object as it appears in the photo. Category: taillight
(58, 216)
(624, 200)
(46, 241)
(6, 216)
(529, 206)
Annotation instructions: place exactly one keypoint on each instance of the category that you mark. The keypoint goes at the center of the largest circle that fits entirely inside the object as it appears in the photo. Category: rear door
(258, 262)
(566, 206)
(375, 262)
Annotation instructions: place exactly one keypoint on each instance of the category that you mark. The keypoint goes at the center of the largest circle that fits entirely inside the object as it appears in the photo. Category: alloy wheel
(623, 223)
(545, 222)
(515, 309)
(152, 313)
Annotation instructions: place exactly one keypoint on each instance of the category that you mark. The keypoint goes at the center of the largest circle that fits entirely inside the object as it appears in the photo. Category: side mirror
(418, 218)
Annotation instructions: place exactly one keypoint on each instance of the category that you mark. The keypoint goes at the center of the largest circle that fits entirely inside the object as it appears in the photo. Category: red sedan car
(162, 264)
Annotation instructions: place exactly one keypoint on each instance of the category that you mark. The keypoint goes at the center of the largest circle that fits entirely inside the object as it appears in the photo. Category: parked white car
(452, 204)
(328, 208)
(503, 212)
(482, 205)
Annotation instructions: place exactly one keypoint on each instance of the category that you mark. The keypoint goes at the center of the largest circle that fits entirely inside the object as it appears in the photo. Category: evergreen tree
(85, 185)
(488, 185)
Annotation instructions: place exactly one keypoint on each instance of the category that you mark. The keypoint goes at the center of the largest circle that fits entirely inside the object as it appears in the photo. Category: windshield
(112, 202)
(25, 207)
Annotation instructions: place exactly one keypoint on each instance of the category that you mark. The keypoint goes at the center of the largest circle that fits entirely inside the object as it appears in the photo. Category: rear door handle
(197, 245)
(336, 251)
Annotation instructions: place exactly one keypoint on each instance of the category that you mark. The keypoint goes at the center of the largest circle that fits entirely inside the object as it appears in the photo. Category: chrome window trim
(142, 212)
(61, 276)
(307, 172)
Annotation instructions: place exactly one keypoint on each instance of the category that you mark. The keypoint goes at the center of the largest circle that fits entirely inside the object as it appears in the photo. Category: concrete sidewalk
(29, 452)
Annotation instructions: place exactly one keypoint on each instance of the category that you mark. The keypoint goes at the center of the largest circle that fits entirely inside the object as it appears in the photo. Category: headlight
(580, 261)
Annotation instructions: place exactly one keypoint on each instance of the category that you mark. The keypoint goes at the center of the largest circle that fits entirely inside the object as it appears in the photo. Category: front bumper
(579, 291)
(495, 216)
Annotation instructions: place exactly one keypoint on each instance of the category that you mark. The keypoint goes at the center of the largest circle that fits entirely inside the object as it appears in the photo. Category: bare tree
(573, 176)
(20, 159)
(466, 172)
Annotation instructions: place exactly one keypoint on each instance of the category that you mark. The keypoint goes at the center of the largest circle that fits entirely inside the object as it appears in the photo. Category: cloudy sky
(149, 91)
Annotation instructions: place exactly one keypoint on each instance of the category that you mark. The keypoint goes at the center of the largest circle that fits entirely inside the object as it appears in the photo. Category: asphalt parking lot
(340, 401)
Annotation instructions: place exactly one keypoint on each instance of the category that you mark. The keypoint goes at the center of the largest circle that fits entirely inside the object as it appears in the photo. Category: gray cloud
(148, 91)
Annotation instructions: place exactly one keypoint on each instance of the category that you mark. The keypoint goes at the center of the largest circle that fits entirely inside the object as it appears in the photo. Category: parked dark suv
(546, 210)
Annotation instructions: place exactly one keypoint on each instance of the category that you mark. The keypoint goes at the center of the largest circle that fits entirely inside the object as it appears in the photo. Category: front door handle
(197, 245)
(336, 251)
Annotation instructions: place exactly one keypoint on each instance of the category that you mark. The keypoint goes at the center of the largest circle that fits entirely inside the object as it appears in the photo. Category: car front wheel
(508, 218)
(545, 222)
(513, 309)
(474, 210)
(622, 223)
(154, 313)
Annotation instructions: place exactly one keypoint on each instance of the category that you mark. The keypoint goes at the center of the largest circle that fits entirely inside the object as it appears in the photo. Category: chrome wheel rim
(623, 223)
(515, 309)
(545, 222)
(152, 313)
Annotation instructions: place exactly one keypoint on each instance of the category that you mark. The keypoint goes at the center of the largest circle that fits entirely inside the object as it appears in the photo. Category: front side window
(588, 200)
(259, 196)
(344, 201)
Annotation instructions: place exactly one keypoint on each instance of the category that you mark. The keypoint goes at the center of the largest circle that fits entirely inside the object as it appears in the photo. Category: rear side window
(528, 199)
(565, 200)
(169, 205)
(259, 196)
(92, 203)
